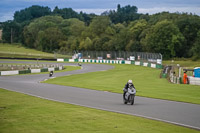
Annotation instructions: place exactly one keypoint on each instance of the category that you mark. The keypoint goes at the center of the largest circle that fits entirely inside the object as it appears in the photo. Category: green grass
(146, 81)
(183, 63)
(21, 113)
(18, 51)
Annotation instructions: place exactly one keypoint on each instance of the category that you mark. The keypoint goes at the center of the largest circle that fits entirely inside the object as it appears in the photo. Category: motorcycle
(129, 96)
(79, 64)
(51, 74)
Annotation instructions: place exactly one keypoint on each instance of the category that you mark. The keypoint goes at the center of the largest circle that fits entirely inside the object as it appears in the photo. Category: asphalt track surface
(178, 113)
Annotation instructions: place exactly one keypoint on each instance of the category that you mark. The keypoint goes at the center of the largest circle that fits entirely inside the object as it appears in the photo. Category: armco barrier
(24, 71)
(9, 72)
(30, 71)
(139, 63)
(57, 68)
(21, 71)
(44, 70)
(35, 70)
(51, 69)
(60, 60)
(66, 59)
(145, 64)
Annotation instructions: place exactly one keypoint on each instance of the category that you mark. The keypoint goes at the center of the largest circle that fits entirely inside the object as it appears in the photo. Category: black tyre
(132, 102)
(132, 99)
(125, 102)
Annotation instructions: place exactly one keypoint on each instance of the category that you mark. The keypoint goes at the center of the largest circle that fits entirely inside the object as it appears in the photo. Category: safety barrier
(15, 72)
(140, 63)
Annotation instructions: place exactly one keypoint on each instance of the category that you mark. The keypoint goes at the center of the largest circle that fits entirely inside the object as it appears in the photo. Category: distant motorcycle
(79, 64)
(51, 74)
(129, 96)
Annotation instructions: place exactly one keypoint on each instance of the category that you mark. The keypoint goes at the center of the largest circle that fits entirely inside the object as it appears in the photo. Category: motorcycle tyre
(125, 102)
(132, 102)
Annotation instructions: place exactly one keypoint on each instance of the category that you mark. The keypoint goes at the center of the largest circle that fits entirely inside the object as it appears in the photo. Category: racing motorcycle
(129, 95)
(51, 74)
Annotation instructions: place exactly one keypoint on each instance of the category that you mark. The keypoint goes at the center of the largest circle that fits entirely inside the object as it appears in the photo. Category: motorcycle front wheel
(125, 102)
(132, 99)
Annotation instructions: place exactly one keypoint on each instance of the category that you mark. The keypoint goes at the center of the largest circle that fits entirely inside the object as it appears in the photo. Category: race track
(179, 113)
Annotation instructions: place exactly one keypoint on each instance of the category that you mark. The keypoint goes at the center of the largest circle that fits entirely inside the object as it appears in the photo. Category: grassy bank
(19, 51)
(23, 113)
(182, 63)
(146, 81)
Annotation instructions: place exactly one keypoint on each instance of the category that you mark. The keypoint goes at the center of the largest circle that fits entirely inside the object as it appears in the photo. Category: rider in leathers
(128, 84)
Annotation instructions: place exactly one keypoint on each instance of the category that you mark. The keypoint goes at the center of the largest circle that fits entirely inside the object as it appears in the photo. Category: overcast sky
(8, 7)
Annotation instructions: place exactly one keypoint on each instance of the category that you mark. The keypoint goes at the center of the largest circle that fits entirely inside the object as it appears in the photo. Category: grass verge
(182, 63)
(19, 51)
(23, 113)
(146, 81)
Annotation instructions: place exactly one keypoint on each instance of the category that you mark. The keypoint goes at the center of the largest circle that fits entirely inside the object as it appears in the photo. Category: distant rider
(128, 84)
(51, 74)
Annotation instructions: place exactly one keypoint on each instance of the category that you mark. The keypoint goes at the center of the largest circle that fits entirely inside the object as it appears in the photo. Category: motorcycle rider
(51, 74)
(128, 84)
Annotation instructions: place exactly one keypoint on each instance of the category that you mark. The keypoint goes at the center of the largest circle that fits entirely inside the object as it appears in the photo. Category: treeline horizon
(171, 34)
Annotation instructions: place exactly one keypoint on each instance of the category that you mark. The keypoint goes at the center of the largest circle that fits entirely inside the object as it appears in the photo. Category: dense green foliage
(171, 34)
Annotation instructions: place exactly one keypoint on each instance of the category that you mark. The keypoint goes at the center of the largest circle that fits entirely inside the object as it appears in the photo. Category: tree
(43, 32)
(196, 47)
(86, 44)
(123, 14)
(66, 13)
(11, 31)
(189, 26)
(30, 13)
(164, 38)
(99, 25)
(49, 39)
(135, 30)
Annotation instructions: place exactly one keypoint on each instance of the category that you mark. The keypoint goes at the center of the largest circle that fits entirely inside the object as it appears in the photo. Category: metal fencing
(121, 55)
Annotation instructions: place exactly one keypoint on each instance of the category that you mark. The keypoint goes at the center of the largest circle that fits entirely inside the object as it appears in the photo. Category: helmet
(130, 81)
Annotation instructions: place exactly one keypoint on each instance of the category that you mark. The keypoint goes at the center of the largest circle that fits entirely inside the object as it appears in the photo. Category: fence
(113, 55)
(121, 55)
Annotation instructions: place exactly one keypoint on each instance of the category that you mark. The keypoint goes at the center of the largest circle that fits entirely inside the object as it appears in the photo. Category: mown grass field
(20, 113)
(18, 51)
(183, 63)
(146, 80)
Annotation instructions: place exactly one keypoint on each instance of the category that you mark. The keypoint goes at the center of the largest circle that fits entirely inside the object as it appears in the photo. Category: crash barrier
(174, 79)
(111, 55)
(194, 80)
(139, 63)
(179, 80)
(169, 72)
(15, 72)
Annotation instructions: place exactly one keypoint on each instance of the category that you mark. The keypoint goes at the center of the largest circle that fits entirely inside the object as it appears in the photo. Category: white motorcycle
(129, 96)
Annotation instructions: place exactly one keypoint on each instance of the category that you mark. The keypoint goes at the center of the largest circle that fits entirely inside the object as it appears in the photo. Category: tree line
(171, 34)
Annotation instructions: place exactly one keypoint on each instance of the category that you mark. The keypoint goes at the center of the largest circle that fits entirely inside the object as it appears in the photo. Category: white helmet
(130, 81)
